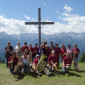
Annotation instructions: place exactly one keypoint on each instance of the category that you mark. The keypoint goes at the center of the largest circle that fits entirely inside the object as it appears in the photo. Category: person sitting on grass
(35, 62)
(67, 63)
(13, 61)
(53, 61)
(26, 62)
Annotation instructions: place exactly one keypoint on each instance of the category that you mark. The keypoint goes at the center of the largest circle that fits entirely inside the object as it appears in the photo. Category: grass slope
(75, 78)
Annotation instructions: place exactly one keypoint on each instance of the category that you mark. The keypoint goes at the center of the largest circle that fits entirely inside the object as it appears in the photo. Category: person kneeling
(13, 61)
(53, 61)
(67, 63)
(26, 62)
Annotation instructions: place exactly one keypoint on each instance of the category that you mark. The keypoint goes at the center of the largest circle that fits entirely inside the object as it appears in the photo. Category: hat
(37, 55)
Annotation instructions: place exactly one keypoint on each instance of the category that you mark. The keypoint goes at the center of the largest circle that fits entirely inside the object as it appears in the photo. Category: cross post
(39, 23)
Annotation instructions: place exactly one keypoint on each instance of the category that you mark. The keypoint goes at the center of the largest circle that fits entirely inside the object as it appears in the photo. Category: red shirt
(63, 51)
(48, 52)
(53, 59)
(15, 60)
(30, 49)
(24, 47)
(35, 61)
(76, 50)
(57, 51)
(67, 61)
(35, 49)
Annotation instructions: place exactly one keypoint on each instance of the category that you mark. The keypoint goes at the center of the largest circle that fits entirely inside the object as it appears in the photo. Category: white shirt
(25, 61)
(18, 48)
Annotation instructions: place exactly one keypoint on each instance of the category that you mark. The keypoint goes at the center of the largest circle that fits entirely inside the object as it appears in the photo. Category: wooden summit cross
(39, 23)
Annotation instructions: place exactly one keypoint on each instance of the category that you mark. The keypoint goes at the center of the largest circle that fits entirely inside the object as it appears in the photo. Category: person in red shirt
(76, 52)
(25, 48)
(35, 62)
(57, 52)
(63, 51)
(66, 62)
(35, 50)
(34, 66)
(13, 61)
(31, 51)
(53, 61)
(48, 51)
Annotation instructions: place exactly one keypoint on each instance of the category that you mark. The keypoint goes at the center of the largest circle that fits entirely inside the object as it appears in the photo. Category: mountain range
(61, 38)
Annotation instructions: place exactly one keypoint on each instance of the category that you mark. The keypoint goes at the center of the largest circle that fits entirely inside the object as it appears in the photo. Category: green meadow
(71, 78)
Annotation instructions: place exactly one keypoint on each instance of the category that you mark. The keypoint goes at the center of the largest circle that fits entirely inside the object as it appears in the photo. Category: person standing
(18, 50)
(8, 52)
(51, 46)
(63, 51)
(35, 51)
(76, 52)
(57, 52)
(48, 51)
(25, 48)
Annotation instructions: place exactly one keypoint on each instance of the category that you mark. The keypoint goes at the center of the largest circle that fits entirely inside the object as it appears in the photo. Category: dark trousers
(7, 62)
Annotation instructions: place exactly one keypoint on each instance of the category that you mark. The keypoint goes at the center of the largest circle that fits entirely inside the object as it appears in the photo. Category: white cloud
(71, 23)
(67, 8)
(27, 17)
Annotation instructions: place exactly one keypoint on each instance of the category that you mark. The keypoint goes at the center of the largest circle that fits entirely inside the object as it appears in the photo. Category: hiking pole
(55, 68)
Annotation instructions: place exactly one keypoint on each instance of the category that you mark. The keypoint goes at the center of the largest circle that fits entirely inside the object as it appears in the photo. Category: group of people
(26, 57)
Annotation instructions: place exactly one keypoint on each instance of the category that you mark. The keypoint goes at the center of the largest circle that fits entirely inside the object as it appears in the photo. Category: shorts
(75, 60)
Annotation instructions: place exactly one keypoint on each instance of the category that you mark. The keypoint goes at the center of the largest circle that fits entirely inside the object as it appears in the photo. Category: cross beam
(39, 23)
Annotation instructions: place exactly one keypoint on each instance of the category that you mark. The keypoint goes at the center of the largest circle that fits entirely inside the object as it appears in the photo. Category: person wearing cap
(35, 61)
(76, 52)
(51, 46)
(57, 52)
(48, 51)
(67, 60)
(8, 51)
(25, 48)
(18, 50)
(63, 51)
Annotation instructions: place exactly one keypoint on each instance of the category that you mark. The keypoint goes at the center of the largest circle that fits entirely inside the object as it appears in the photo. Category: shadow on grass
(69, 74)
(22, 75)
(19, 76)
(82, 71)
(73, 74)
(33, 74)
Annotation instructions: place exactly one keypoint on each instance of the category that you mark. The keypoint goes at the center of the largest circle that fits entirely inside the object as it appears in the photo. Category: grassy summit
(75, 78)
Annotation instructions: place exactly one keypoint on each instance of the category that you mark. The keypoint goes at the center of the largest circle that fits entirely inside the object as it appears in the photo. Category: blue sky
(62, 12)
(18, 8)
